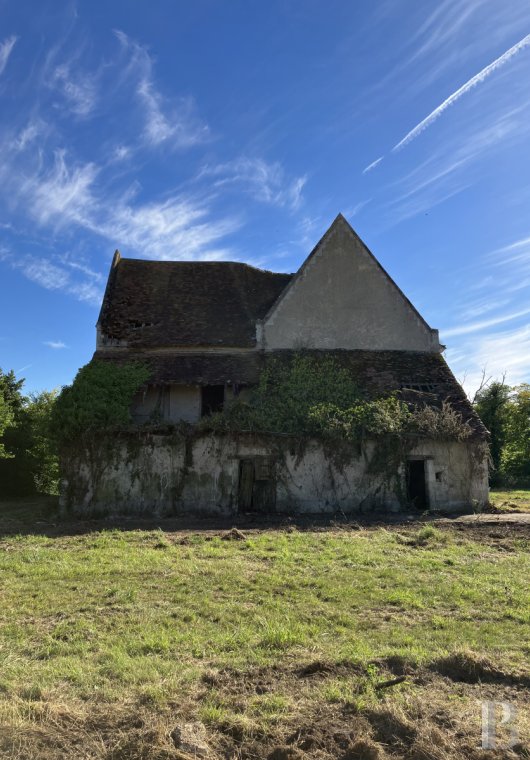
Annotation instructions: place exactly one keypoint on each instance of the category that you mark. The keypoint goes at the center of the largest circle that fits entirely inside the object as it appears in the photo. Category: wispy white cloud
(80, 267)
(266, 182)
(34, 129)
(78, 89)
(356, 208)
(518, 251)
(499, 353)
(6, 48)
(52, 275)
(372, 165)
(178, 228)
(43, 272)
(121, 153)
(63, 194)
(180, 126)
(50, 190)
(66, 195)
(443, 24)
(469, 85)
(169, 122)
(454, 166)
(55, 344)
(478, 307)
(501, 343)
(473, 327)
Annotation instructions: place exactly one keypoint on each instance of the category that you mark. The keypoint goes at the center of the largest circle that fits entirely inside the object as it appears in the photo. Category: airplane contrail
(477, 79)
(372, 165)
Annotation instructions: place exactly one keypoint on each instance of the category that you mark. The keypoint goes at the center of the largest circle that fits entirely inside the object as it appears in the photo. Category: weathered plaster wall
(456, 474)
(151, 404)
(175, 403)
(167, 404)
(185, 403)
(343, 299)
(165, 474)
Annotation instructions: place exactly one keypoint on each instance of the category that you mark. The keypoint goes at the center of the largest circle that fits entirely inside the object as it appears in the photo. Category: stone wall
(170, 474)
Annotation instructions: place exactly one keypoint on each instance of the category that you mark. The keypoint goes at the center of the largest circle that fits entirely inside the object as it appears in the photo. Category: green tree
(11, 403)
(41, 452)
(515, 458)
(29, 464)
(6, 420)
(492, 404)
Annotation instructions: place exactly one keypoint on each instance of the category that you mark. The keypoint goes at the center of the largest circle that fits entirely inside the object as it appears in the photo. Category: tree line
(505, 411)
(29, 463)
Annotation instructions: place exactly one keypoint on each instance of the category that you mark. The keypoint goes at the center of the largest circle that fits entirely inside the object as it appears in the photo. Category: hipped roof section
(152, 304)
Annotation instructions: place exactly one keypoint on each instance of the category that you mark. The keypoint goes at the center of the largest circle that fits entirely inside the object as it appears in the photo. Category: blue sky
(215, 130)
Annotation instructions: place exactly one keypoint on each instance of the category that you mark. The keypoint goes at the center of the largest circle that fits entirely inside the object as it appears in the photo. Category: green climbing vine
(310, 396)
(98, 400)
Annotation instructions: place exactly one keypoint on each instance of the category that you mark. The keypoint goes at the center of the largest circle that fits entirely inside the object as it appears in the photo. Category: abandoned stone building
(205, 329)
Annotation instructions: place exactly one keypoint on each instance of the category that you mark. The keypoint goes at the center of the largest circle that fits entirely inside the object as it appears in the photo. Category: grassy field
(271, 643)
(511, 500)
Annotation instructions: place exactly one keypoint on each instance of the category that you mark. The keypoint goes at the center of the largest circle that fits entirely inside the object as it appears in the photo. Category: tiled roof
(192, 369)
(207, 303)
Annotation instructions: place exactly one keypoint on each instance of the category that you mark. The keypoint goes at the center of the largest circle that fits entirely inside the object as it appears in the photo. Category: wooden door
(246, 485)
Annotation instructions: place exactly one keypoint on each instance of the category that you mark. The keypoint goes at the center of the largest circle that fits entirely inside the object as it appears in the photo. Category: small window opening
(439, 476)
(419, 387)
(213, 397)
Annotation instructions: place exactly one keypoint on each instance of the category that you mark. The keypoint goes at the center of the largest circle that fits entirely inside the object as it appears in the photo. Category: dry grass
(429, 718)
(277, 642)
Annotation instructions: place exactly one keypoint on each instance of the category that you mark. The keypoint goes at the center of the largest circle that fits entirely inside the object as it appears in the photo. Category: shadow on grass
(39, 515)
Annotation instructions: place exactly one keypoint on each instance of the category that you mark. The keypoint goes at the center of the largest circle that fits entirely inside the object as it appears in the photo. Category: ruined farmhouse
(206, 330)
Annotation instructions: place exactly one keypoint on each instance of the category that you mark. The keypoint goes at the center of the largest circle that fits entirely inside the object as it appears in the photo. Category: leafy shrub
(98, 400)
(285, 395)
(384, 416)
(317, 396)
(444, 423)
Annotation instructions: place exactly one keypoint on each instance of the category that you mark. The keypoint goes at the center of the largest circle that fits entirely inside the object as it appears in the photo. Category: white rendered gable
(341, 298)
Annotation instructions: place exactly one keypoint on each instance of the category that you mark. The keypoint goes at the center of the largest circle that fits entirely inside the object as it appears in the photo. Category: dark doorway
(257, 486)
(246, 485)
(416, 485)
(213, 397)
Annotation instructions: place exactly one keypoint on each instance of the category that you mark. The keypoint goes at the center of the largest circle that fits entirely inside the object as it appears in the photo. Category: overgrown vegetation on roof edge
(317, 396)
(306, 396)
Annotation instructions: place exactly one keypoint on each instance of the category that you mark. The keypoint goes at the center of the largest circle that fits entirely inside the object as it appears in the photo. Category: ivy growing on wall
(311, 395)
(98, 400)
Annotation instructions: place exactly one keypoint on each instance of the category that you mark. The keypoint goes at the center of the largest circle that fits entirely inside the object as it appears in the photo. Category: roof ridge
(206, 263)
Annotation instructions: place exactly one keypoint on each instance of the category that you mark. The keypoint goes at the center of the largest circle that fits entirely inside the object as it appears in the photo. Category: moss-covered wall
(172, 474)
